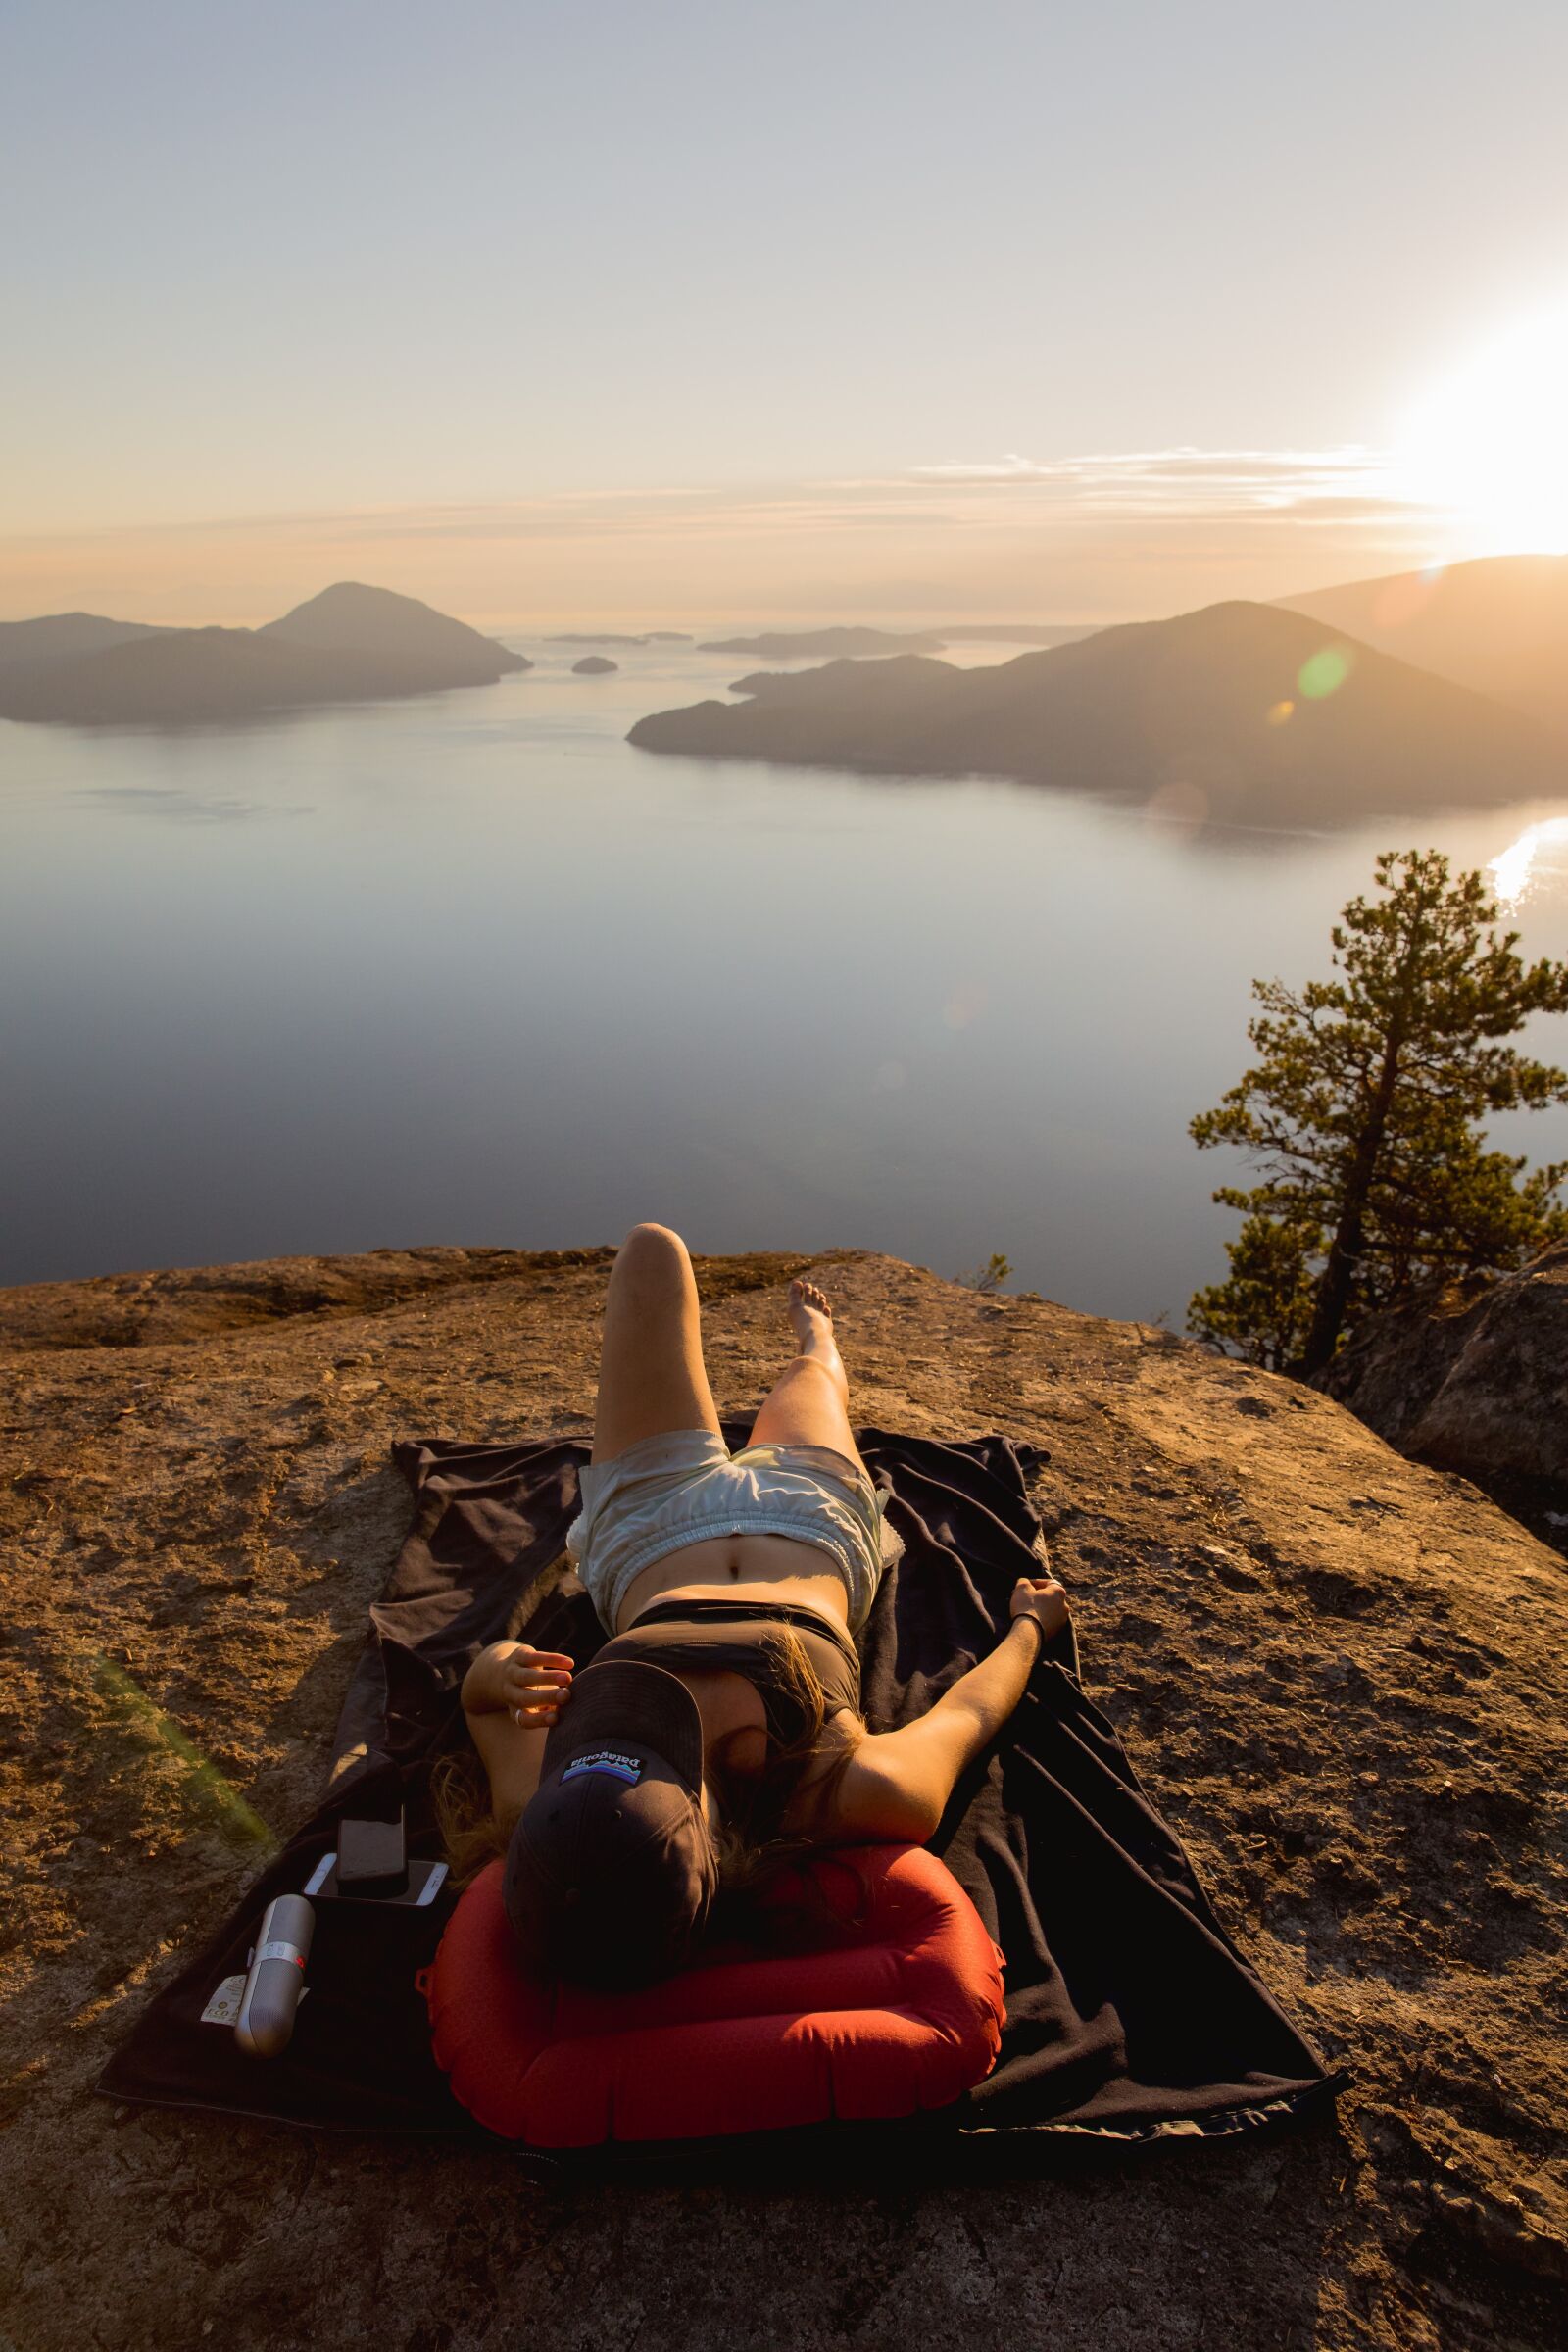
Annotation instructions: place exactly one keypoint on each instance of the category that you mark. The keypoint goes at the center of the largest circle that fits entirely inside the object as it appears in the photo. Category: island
(593, 665)
(1007, 632)
(351, 643)
(1239, 714)
(609, 637)
(849, 644)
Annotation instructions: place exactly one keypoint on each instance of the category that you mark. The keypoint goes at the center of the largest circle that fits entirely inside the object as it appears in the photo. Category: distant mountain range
(1417, 691)
(61, 634)
(792, 645)
(1239, 712)
(865, 644)
(349, 644)
(1498, 624)
(1004, 632)
(609, 637)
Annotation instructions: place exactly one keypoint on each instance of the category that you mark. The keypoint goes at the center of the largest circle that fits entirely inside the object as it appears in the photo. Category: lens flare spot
(1279, 713)
(1324, 673)
(966, 1005)
(205, 1785)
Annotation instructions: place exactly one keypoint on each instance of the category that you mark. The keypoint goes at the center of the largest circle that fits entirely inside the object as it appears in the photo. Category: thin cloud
(1108, 535)
(1181, 483)
(1185, 480)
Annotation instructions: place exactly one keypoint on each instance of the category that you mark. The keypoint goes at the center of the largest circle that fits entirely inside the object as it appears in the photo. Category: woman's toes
(807, 1303)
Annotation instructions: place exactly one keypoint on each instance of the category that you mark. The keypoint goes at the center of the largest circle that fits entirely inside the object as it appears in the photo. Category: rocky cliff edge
(1340, 1673)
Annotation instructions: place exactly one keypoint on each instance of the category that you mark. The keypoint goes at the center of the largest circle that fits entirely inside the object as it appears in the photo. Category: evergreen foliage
(1363, 1114)
(991, 1276)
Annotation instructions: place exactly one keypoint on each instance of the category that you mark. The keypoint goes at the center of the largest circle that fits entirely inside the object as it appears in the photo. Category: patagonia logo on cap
(606, 1759)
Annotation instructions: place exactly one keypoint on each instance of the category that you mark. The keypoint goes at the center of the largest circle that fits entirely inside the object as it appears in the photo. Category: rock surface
(1473, 1377)
(1339, 1672)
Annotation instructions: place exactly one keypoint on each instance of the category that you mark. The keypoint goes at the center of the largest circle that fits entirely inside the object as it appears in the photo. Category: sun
(1489, 443)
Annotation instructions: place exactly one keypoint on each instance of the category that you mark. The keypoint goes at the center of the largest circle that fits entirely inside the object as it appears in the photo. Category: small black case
(373, 1857)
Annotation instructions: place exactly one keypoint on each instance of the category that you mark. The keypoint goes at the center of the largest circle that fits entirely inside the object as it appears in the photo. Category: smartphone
(372, 1858)
(426, 1882)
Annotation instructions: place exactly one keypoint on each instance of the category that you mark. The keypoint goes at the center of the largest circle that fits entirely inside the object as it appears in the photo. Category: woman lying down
(719, 1733)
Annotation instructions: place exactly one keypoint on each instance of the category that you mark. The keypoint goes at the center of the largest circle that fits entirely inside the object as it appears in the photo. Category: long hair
(749, 1840)
(474, 1830)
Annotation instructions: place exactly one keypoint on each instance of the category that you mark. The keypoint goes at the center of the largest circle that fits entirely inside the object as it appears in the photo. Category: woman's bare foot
(812, 1318)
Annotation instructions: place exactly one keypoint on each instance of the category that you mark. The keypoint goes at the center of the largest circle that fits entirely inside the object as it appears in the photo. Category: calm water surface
(470, 969)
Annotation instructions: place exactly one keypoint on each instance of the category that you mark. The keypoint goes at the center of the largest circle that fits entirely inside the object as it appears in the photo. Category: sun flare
(1490, 442)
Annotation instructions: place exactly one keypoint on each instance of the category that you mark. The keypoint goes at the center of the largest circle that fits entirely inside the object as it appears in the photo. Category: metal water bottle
(276, 1977)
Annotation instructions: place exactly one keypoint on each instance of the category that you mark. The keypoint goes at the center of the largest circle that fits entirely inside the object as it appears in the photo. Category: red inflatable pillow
(903, 2011)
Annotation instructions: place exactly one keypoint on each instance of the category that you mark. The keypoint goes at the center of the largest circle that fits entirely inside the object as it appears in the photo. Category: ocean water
(470, 969)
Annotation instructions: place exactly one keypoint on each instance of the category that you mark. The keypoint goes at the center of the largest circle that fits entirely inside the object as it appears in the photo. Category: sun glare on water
(1521, 864)
(1490, 442)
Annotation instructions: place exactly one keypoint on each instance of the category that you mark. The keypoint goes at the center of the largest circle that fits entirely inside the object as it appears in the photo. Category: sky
(679, 311)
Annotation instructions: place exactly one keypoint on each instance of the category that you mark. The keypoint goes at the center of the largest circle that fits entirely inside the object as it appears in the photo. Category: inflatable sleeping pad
(882, 1998)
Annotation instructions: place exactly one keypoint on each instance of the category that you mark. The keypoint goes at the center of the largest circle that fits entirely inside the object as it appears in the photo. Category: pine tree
(1365, 1116)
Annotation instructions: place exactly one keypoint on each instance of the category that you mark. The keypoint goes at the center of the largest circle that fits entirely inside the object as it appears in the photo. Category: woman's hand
(533, 1685)
(528, 1683)
(1041, 1599)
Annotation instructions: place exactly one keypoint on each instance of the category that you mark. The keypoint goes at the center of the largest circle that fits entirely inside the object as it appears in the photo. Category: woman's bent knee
(652, 1238)
(653, 1254)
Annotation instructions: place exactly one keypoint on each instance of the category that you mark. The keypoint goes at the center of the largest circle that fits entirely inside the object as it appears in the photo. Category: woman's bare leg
(810, 1403)
(651, 1378)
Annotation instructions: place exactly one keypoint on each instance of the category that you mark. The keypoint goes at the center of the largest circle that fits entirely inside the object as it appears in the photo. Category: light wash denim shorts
(685, 1486)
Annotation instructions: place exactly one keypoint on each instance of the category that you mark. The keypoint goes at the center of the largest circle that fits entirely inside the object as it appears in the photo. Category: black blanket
(1130, 2013)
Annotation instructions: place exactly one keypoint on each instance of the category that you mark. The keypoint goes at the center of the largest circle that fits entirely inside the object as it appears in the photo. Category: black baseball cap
(611, 1874)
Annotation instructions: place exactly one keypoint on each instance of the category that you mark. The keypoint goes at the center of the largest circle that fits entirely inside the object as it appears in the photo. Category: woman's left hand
(1043, 1600)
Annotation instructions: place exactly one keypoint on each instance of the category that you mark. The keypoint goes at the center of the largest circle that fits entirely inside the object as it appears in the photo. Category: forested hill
(1242, 713)
(349, 644)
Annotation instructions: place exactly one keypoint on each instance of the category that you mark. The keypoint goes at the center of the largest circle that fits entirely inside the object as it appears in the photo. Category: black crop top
(733, 1636)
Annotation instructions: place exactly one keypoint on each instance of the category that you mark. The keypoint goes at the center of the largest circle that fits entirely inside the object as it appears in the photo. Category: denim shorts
(685, 1486)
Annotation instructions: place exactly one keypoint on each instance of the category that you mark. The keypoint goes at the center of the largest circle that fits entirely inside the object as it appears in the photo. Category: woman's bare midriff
(756, 1567)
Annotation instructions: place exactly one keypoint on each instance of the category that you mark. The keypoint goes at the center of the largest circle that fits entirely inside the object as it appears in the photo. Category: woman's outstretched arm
(897, 1784)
